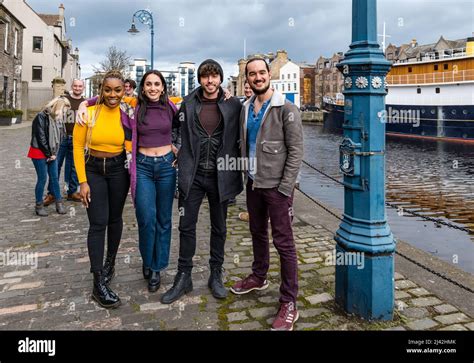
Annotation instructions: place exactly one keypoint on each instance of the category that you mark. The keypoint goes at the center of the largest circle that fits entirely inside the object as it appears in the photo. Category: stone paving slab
(49, 285)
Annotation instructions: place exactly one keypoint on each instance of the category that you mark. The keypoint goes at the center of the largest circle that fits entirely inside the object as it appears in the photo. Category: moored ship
(430, 92)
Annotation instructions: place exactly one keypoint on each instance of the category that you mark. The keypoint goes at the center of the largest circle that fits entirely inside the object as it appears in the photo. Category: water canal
(432, 178)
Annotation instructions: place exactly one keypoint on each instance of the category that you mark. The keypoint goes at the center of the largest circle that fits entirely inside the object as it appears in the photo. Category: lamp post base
(365, 288)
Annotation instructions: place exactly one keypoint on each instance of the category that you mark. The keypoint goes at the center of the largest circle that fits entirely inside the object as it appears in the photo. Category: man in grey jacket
(272, 140)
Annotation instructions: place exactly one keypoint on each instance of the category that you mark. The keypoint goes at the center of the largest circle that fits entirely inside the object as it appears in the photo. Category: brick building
(11, 52)
(328, 80)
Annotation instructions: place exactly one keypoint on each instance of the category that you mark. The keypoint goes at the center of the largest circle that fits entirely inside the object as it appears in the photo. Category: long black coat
(229, 180)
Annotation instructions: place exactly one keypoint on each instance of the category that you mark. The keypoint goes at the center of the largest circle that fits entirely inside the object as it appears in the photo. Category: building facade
(414, 52)
(275, 61)
(11, 54)
(186, 78)
(47, 53)
(138, 68)
(288, 82)
(329, 82)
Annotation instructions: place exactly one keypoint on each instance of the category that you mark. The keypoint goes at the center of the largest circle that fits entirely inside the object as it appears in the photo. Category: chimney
(470, 46)
(282, 54)
(61, 12)
(413, 43)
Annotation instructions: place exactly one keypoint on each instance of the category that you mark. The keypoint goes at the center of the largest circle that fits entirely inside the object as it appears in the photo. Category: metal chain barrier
(415, 214)
(446, 278)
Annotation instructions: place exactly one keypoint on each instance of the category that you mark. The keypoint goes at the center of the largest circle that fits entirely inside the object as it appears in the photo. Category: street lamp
(145, 17)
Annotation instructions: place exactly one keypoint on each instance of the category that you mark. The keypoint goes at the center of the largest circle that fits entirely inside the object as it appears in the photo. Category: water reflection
(432, 178)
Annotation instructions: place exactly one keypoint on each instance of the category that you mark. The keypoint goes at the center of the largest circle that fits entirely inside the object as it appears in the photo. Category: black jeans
(204, 184)
(109, 182)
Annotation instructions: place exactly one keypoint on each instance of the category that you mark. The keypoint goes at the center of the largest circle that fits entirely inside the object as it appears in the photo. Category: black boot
(182, 285)
(215, 283)
(146, 272)
(101, 293)
(154, 282)
(109, 268)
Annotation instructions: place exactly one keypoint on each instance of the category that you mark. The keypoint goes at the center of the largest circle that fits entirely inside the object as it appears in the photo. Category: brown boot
(75, 197)
(49, 200)
(244, 216)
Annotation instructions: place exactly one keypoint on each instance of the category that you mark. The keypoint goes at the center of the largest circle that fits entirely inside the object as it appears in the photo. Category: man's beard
(260, 91)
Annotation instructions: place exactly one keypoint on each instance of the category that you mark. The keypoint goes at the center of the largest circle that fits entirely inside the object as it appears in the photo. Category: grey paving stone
(422, 324)
(454, 327)
(254, 325)
(445, 309)
(425, 301)
(452, 318)
(404, 284)
(241, 315)
(417, 313)
(320, 298)
(263, 312)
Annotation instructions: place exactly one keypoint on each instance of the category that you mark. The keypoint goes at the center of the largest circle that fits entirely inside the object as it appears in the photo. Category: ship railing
(439, 55)
(439, 77)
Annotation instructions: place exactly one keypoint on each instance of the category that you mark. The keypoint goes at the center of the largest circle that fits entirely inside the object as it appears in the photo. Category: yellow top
(107, 135)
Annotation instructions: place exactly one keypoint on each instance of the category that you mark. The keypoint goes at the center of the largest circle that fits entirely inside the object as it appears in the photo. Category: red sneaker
(286, 317)
(248, 284)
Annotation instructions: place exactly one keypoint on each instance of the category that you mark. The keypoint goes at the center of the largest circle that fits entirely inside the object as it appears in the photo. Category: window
(37, 74)
(282, 76)
(14, 93)
(321, 78)
(289, 76)
(15, 44)
(437, 90)
(446, 66)
(435, 67)
(37, 44)
(288, 86)
(7, 27)
(410, 69)
(5, 89)
(294, 75)
(418, 90)
(294, 86)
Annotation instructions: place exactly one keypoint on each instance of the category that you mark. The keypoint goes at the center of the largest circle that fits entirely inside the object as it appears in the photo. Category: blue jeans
(70, 177)
(43, 170)
(156, 181)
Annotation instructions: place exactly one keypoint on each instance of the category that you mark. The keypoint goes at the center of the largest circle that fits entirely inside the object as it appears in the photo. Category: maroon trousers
(263, 204)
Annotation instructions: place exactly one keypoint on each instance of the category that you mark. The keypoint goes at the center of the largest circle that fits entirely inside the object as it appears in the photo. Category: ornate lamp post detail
(365, 289)
(145, 17)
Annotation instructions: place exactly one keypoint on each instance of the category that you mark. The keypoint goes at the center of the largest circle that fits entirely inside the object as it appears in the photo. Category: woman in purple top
(155, 140)
(155, 156)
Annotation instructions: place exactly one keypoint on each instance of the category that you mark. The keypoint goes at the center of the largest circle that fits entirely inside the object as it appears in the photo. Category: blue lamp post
(145, 17)
(365, 289)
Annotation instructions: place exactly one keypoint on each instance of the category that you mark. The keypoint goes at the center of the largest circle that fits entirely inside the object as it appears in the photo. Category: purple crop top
(156, 128)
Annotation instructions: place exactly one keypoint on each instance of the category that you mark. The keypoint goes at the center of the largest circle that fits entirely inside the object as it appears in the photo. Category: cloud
(188, 30)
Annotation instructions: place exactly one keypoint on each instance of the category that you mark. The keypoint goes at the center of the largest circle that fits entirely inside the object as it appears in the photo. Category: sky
(194, 30)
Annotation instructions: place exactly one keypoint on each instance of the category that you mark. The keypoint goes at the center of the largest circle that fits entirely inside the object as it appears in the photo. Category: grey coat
(279, 149)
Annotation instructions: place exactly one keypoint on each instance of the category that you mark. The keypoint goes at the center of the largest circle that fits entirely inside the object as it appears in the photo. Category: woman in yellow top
(101, 162)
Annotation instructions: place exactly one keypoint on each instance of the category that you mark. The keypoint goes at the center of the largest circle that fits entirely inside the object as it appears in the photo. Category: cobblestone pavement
(56, 294)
